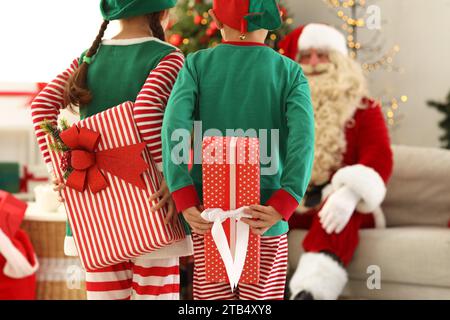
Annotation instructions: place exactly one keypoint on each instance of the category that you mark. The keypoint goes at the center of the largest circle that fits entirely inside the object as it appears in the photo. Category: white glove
(338, 210)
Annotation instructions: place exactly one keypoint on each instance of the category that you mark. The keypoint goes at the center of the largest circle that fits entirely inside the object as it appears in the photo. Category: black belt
(313, 196)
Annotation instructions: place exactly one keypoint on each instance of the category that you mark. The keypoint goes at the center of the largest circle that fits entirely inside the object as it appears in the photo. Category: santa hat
(248, 15)
(313, 36)
(16, 251)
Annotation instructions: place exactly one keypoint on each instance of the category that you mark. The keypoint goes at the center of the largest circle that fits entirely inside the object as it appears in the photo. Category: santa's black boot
(304, 295)
(320, 275)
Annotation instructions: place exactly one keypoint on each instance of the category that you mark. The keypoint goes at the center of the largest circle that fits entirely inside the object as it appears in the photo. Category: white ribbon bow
(234, 264)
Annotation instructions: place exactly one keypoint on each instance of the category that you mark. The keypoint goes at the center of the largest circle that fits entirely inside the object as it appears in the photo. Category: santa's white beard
(336, 94)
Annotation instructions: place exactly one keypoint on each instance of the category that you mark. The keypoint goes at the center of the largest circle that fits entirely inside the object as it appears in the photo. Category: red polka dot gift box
(231, 181)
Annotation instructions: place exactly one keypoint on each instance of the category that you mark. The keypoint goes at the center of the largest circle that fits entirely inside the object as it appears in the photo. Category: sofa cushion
(357, 289)
(417, 256)
(418, 192)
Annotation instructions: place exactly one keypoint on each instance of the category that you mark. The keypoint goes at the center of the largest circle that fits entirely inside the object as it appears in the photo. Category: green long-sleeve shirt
(253, 88)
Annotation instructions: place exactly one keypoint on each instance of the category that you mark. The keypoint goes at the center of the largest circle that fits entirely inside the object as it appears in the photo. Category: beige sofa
(413, 252)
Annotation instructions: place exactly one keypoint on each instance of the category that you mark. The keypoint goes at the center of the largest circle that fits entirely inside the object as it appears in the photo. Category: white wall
(39, 42)
(422, 29)
(39, 39)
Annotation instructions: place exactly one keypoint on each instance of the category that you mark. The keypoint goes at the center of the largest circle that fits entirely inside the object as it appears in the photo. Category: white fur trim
(319, 274)
(17, 266)
(380, 219)
(321, 36)
(128, 42)
(70, 249)
(365, 182)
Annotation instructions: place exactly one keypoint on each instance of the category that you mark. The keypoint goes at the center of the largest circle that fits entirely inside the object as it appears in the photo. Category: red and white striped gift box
(116, 223)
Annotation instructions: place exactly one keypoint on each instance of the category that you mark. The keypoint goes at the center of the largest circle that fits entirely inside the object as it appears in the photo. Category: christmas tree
(193, 29)
(444, 124)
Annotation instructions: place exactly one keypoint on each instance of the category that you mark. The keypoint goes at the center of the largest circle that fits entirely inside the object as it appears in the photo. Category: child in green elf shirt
(136, 65)
(243, 84)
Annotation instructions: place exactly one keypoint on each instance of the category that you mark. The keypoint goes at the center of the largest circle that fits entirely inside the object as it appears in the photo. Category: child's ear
(217, 21)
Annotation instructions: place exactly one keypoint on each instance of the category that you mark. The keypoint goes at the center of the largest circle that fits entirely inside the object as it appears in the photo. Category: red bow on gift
(123, 162)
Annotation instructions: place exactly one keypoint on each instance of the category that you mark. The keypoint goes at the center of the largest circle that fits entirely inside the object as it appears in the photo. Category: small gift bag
(110, 176)
(231, 181)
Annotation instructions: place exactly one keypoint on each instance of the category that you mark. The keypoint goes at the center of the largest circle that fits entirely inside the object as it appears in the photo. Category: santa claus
(353, 162)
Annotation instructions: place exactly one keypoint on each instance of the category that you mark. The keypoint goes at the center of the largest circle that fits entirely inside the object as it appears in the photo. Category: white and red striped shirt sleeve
(152, 100)
(47, 105)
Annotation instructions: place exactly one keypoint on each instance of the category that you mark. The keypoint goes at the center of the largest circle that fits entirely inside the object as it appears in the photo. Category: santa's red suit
(18, 262)
(365, 168)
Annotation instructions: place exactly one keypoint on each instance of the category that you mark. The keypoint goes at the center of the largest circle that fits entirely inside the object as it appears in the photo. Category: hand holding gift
(264, 217)
(164, 197)
(58, 186)
(193, 216)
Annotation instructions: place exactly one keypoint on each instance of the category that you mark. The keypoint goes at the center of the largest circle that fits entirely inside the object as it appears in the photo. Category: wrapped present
(231, 180)
(110, 176)
(32, 177)
(25, 92)
(10, 177)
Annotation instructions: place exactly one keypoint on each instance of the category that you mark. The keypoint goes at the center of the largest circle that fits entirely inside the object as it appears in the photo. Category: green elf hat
(248, 15)
(119, 9)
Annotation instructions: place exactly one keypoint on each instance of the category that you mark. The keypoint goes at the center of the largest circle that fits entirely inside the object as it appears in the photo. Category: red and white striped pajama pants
(138, 279)
(273, 268)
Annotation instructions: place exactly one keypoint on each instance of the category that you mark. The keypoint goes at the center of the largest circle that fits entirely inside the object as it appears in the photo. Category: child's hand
(265, 216)
(165, 199)
(58, 185)
(197, 223)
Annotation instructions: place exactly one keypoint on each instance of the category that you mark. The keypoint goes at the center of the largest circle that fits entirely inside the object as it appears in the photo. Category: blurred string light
(349, 12)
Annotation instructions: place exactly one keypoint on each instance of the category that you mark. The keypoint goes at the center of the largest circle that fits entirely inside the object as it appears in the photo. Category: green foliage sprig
(443, 107)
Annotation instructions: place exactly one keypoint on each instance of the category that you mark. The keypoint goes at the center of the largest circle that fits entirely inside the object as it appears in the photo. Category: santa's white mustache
(317, 69)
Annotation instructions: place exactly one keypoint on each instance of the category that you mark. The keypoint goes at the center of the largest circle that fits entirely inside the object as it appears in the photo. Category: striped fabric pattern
(139, 279)
(149, 105)
(152, 100)
(116, 224)
(47, 105)
(273, 268)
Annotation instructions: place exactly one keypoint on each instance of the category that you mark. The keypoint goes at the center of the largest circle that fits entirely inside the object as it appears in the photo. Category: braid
(154, 21)
(77, 92)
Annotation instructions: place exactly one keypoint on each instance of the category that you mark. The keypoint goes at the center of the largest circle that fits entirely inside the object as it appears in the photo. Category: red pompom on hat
(248, 15)
(313, 36)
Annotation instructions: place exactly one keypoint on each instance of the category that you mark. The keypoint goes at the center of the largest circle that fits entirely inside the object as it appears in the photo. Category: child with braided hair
(136, 65)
